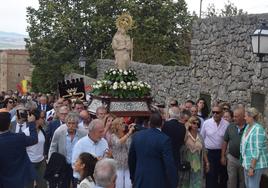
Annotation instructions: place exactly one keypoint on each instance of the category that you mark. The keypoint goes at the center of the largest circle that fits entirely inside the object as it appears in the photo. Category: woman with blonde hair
(195, 153)
(253, 148)
(120, 143)
(107, 121)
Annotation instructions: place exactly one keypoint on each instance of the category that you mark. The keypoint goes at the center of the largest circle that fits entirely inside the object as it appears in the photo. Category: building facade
(14, 67)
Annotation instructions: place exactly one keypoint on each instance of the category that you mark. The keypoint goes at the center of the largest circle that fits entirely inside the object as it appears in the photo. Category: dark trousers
(217, 176)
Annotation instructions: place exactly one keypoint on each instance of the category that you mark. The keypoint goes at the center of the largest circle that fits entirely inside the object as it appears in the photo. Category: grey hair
(93, 124)
(62, 108)
(174, 112)
(105, 172)
(73, 116)
(30, 105)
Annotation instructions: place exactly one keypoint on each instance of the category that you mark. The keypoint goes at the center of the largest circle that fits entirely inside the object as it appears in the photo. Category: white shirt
(35, 152)
(82, 126)
(213, 134)
(85, 144)
(24, 126)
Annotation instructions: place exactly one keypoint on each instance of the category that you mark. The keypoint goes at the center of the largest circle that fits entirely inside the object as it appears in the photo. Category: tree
(62, 30)
(229, 9)
(162, 33)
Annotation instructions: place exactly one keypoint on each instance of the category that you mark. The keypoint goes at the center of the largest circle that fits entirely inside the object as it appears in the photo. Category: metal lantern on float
(259, 41)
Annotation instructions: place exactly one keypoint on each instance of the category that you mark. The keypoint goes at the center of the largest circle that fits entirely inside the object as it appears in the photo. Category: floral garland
(122, 84)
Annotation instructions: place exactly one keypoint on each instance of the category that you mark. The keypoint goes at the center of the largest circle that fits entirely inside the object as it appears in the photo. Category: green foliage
(122, 84)
(59, 29)
(229, 10)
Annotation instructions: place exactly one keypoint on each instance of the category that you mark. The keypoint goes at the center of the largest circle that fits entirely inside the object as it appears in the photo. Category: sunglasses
(216, 112)
(10, 102)
(195, 123)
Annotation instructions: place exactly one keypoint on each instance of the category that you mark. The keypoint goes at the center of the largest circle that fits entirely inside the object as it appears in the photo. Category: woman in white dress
(85, 165)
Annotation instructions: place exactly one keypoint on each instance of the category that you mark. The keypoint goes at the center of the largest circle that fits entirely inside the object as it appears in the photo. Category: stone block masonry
(222, 65)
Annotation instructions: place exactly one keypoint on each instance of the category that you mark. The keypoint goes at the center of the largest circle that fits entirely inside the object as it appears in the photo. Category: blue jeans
(253, 181)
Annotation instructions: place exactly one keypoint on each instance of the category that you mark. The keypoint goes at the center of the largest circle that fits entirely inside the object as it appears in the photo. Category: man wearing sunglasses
(213, 131)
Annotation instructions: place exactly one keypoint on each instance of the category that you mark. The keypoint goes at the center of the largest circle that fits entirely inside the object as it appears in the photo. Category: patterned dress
(120, 154)
(194, 151)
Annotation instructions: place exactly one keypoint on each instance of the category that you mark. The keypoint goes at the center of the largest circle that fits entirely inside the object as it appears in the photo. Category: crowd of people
(48, 141)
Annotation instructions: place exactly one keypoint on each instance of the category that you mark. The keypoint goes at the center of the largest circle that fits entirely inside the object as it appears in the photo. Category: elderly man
(63, 141)
(105, 173)
(43, 106)
(232, 139)
(93, 143)
(15, 166)
(53, 125)
(212, 132)
(101, 112)
(176, 132)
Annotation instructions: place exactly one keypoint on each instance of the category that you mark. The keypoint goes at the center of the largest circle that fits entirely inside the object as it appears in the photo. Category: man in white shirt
(213, 131)
(20, 124)
(93, 143)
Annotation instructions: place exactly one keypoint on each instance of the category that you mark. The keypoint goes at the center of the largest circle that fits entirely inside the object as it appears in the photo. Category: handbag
(184, 165)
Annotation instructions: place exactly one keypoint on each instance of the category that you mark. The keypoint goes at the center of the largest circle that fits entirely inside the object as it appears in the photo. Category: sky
(13, 12)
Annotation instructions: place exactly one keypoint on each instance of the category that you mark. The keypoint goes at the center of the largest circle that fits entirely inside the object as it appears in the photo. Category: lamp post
(259, 41)
(82, 63)
(200, 10)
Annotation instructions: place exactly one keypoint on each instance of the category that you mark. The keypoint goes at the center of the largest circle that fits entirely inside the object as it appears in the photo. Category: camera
(22, 114)
(136, 128)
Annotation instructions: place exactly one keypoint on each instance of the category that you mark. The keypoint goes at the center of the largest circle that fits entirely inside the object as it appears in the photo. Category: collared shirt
(69, 146)
(81, 125)
(233, 136)
(213, 133)
(24, 126)
(85, 144)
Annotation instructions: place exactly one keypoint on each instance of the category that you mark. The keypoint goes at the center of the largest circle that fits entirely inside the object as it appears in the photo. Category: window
(258, 101)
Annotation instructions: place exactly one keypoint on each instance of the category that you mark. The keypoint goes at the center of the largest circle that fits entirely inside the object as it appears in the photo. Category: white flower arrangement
(122, 84)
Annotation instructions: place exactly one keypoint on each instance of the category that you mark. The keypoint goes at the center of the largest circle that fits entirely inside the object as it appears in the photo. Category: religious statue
(122, 44)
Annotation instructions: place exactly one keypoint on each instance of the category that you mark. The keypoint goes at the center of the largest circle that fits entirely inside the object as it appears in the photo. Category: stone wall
(222, 64)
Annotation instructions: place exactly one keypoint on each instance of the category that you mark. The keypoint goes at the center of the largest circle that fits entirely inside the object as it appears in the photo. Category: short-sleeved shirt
(233, 137)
